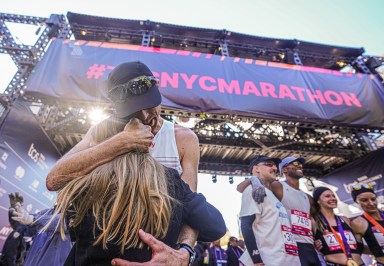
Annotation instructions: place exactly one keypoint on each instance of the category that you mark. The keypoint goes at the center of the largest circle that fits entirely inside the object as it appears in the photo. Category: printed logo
(37, 157)
(279, 205)
(2, 192)
(4, 156)
(29, 208)
(363, 179)
(255, 252)
(3, 159)
(5, 231)
(48, 195)
(35, 185)
(19, 173)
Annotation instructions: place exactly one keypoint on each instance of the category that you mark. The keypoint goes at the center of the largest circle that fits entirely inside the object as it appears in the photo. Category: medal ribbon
(374, 222)
(342, 240)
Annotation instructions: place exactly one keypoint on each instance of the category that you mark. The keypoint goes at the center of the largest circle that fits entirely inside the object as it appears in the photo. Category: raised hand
(161, 254)
(258, 190)
(14, 198)
(21, 215)
(139, 134)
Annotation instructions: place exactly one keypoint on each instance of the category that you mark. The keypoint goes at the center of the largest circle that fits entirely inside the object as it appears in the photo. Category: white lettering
(37, 157)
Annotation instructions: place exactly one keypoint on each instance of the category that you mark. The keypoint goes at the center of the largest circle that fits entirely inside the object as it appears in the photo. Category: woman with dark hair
(233, 252)
(107, 209)
(339, 245)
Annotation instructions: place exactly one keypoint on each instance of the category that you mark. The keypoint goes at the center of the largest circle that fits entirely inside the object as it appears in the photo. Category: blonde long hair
(124, 195)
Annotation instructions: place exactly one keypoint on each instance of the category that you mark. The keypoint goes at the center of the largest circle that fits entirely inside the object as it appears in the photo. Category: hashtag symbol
(95, 71)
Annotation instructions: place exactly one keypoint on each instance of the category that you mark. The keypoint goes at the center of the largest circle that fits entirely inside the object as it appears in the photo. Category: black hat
(261, 158)
(361, 188)
(318, 191)
(129, 99)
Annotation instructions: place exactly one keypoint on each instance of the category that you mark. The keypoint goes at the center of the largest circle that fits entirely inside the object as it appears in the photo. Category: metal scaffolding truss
(24, 56)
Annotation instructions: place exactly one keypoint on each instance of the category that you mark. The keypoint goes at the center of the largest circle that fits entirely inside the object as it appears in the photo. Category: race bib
(333, 244)
(301, 223)
(289, 241)
(380, 238)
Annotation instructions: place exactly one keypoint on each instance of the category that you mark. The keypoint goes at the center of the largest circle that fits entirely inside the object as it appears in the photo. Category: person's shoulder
(359, 225)
(358, 221)
(276, 185)
(184, 132)
(186, 139)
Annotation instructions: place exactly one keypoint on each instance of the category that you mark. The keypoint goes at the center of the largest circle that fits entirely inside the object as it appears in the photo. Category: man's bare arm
(243, 185)
(87, 154)
(189, 152)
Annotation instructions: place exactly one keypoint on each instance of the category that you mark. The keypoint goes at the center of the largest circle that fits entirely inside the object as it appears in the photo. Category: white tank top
(163, 147)
(298, 207)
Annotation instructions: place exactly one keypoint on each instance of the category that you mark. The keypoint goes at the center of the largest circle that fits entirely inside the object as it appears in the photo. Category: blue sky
(352, 23)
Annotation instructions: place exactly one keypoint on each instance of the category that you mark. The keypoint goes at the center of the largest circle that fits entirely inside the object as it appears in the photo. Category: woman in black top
(370, 225)
(106, 208)
(334, 231)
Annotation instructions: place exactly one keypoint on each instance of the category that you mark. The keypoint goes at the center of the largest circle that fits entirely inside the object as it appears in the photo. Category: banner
(369, 170)
(192, 81)
(26, 155)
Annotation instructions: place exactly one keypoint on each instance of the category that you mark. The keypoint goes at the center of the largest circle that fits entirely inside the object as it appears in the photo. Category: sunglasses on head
(294, 163)
(267, 164)
(362, 185)
(134, 87)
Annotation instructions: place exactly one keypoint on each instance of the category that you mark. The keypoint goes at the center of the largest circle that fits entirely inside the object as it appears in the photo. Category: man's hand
(14, 198)
(21, 215)
(258, 190)
(139, 134)
(161, 254)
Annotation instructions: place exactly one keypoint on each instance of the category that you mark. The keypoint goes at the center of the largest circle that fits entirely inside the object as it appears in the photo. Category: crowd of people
(127, 196)
(282, 225)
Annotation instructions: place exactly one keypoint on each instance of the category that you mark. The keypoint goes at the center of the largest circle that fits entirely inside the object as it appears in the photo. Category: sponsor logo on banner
(35, 185)
(2, 192)
(37, 157)
(19, 173)
(363, 179)
(5, 231)
(49, 195)
(4, 156)
(3, 159)
(29, 207)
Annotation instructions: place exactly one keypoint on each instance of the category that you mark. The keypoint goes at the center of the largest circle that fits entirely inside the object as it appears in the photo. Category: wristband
(192, 253)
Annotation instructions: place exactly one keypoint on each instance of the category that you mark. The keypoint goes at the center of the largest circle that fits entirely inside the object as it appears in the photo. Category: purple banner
(26, 155)
(76, 71)
(369, 170)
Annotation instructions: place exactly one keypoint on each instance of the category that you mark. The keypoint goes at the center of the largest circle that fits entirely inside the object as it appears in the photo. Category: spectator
(202, 256)
(217, 255)
(47, 248)
(242, 245)
(15, 247)
(233, 252)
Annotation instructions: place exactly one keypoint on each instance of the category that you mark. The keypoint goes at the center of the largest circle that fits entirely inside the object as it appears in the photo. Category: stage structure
(228, 139)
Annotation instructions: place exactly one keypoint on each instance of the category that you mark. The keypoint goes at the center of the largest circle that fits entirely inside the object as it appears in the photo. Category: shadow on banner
(26, 155)
(369, 169)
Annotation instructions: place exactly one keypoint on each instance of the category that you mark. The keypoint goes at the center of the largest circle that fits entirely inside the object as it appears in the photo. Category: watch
(192, 253)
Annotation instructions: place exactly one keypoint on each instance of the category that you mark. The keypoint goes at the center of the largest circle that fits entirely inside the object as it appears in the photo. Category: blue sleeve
(202, 216)
(249, 237)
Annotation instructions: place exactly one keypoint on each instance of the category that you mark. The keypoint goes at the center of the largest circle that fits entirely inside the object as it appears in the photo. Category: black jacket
(194, 210)
(234, 254)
